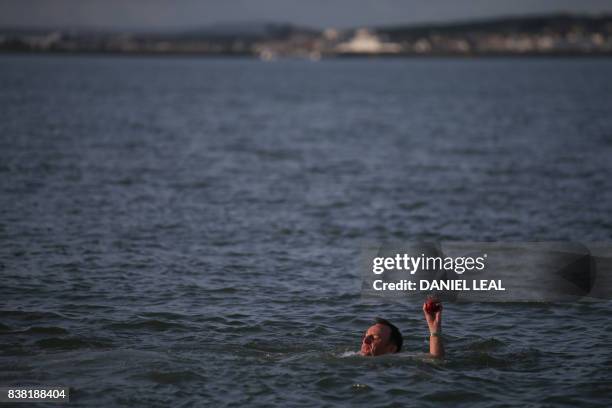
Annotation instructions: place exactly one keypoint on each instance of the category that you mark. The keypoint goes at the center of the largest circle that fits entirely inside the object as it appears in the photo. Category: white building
(365, 42)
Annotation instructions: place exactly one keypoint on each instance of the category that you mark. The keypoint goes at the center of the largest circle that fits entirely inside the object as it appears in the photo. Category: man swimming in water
(384, 338)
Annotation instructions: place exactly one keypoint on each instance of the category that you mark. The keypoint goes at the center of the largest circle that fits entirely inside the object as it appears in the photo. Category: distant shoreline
(530, 36)
(251, 56)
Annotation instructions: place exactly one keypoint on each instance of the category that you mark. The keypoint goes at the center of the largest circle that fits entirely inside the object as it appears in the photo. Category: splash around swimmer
(383, 337)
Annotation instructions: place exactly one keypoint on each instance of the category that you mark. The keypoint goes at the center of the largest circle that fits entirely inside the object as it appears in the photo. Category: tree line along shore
(551, 35)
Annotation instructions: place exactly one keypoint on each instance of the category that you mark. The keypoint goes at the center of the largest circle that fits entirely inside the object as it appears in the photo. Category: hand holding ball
(432, 305)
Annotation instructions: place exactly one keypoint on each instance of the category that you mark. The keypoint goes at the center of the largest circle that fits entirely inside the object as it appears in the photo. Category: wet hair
(396, 337)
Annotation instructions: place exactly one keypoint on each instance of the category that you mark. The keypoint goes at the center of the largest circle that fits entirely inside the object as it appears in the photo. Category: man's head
(381, 338)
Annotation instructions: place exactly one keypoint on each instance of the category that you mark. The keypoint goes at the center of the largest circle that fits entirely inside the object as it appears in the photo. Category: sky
(171, 14)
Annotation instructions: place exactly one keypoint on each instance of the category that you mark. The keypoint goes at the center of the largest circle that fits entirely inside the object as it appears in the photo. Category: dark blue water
(186, 232)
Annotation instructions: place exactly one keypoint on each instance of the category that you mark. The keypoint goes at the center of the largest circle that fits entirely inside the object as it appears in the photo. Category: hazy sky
(151, 14)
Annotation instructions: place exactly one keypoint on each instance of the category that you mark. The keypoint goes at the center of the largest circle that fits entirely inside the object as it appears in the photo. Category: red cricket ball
(432, 305)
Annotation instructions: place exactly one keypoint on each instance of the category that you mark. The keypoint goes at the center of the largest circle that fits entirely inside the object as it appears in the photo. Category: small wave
(329, 382)
(188, 185)
(402, 355)
(34, 315)
(173, 377)
(220, 290)
(164, 315)
(71, 343)
(483, 360)
(149, 324)
(454, 396)
(45, 330)
(486, 344)
(398, 392)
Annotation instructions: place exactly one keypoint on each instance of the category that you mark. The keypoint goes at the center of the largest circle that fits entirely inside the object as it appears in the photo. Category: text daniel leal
(459, 285)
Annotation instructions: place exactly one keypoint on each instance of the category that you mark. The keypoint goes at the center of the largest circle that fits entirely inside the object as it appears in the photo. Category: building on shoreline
(548, 35)
(366, 42)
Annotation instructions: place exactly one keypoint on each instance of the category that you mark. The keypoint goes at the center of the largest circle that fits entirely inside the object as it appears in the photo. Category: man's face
(375, 341)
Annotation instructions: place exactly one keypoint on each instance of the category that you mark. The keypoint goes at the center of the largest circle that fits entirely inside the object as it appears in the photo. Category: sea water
(186, 232)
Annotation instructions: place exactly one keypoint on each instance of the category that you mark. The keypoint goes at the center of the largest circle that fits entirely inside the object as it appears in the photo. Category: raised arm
(434, 322)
